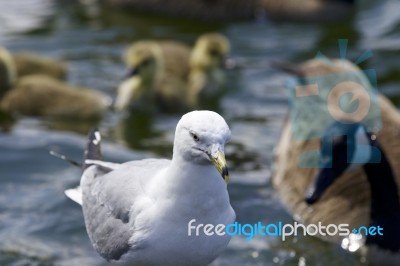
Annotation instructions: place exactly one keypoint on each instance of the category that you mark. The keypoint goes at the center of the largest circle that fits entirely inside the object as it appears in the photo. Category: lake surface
(40, 226)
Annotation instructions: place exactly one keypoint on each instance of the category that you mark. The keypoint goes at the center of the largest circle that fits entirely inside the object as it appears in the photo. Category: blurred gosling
(206, 62)
(40, 95)
(8, 72)
(29, 63)
(156, 75)
(169, 75)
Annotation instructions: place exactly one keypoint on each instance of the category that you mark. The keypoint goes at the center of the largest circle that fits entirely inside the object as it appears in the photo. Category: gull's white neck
(196, 186)
(186, 177)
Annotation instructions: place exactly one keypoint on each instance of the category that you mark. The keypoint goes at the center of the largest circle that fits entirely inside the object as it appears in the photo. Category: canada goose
(29, 63)
(168, 74)
(343, 145)
(40, 95)
(347, 200)
(228, 10)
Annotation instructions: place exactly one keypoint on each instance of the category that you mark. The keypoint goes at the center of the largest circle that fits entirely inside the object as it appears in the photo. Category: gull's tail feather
(65, 158)
(93, 147)
(74, 194)
(92, 153)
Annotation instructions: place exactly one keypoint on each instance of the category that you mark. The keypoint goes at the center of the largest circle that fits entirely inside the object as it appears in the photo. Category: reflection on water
(40, 226)
(23, 16)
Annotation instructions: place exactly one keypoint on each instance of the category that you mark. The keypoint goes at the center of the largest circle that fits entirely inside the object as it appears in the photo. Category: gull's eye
(195, 137)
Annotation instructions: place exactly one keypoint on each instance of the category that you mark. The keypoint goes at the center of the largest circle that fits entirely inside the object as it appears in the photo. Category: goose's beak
(321, 183)
(218, 159)
(130, 73)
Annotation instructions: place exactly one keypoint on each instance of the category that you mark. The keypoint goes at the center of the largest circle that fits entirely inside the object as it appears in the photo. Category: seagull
(137, 213)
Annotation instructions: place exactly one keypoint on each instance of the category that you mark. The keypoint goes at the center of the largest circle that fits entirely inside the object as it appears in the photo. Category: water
(40, 226)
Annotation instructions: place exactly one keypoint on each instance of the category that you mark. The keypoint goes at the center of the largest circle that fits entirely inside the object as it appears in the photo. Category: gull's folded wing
(108, 201)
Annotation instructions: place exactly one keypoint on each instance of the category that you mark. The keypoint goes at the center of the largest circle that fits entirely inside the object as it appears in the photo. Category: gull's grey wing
(108, 198)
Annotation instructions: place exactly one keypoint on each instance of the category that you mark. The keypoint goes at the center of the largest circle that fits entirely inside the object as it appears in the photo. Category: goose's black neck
(385, 206)
(384, 195)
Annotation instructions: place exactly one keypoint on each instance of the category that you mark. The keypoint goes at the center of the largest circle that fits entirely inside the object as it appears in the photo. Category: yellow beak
(219, 162)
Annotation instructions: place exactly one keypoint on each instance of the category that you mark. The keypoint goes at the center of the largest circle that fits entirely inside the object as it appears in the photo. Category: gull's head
(200, 138)
(7, 71)
(142, 60)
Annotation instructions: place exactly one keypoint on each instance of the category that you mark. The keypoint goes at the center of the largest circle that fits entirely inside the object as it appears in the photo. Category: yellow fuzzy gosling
(167, 75)
(8, 73)
(40, 95)
(206, 61)
(157, 73)
(28, 64)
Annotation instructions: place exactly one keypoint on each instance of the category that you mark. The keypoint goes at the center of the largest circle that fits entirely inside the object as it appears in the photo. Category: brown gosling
(40, 95)
(168, 75)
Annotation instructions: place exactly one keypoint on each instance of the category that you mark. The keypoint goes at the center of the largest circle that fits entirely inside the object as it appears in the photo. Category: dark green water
(40, 226)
